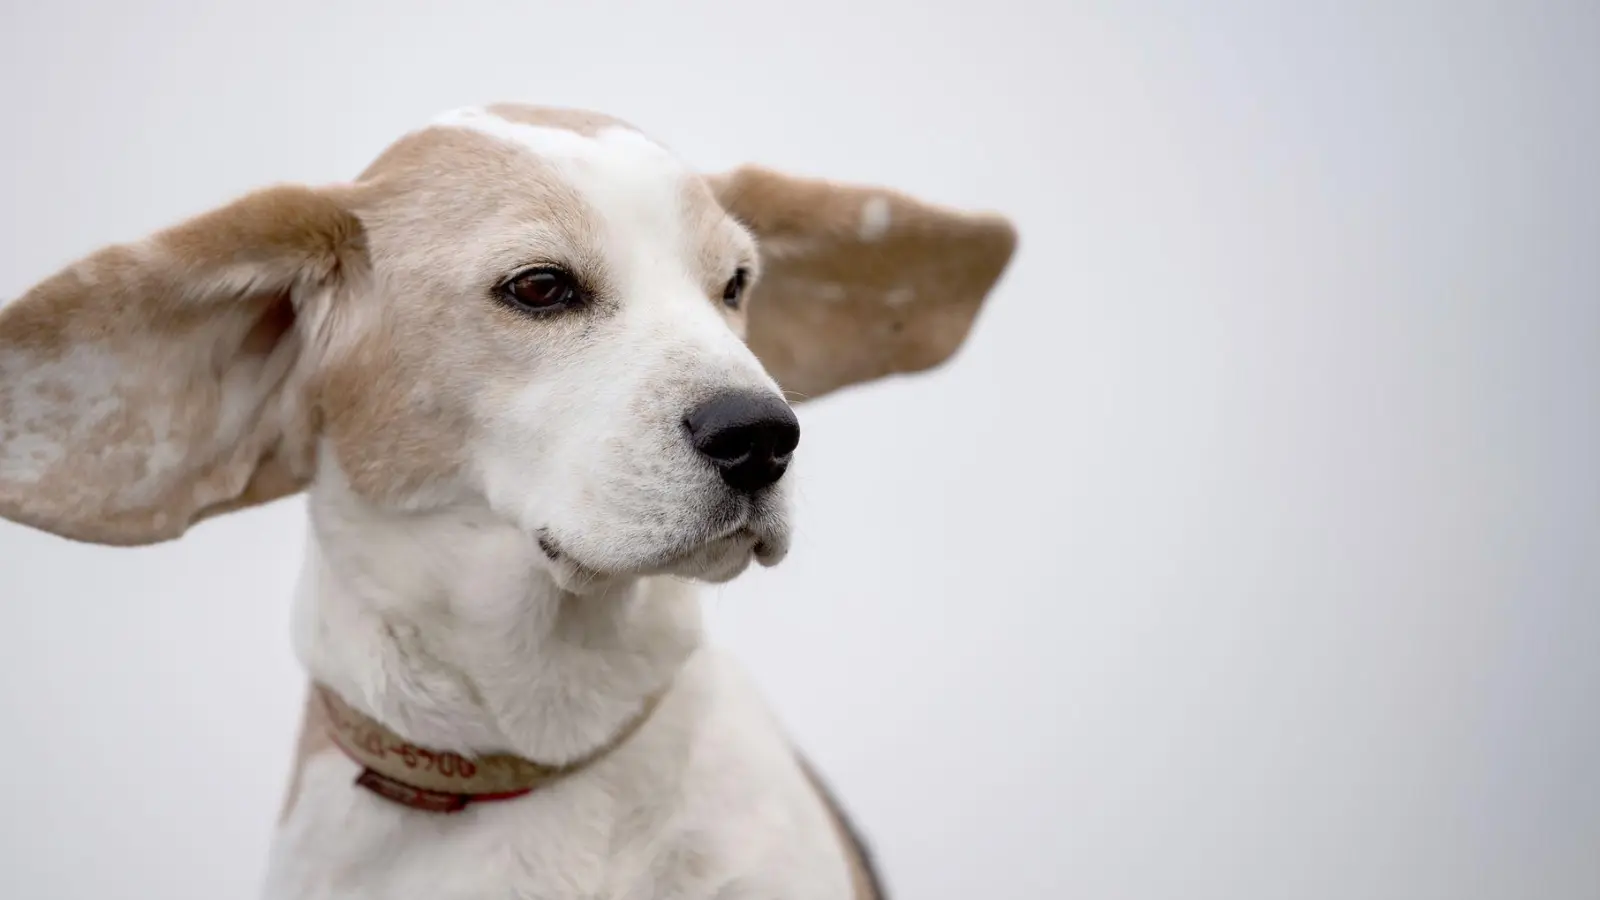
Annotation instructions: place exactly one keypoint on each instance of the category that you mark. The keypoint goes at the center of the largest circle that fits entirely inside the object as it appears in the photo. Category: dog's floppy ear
(859, 282)
(153, 384)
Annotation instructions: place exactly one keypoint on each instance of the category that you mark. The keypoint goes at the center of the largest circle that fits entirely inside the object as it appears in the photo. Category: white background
(1251, 548)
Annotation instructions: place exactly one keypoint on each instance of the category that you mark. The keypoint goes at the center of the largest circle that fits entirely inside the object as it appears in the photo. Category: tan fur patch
(148, 383)
(860, 282)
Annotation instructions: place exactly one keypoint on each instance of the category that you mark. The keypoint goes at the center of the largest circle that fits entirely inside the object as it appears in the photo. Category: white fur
(875, 219)
(84, 375)
(452, 627)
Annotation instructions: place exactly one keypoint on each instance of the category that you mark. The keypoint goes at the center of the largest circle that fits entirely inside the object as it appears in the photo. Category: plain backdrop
(1250, 548)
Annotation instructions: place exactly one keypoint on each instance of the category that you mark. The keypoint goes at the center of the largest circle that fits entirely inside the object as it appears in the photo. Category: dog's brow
(654, 224)
(555, 141)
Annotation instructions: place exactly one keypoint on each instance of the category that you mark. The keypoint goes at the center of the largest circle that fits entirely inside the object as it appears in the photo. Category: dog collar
(441, 781)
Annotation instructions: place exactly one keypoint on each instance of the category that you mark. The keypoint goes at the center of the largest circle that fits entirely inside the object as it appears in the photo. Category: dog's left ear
(859, 282)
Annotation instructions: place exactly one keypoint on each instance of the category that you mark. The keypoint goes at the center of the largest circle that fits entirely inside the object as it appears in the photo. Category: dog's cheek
(396, 438)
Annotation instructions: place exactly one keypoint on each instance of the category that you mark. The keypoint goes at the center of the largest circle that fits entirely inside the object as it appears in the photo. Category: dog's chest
(574, 844)
(708, 802)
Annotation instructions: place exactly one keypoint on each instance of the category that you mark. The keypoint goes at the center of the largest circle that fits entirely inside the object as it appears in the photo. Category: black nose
(750, 437)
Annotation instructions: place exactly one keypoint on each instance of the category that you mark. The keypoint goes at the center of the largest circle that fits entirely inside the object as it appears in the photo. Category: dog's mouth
(716, 554)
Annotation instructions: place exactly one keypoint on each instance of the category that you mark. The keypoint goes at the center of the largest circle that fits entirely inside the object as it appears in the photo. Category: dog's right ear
(156, 383)
(859, 282)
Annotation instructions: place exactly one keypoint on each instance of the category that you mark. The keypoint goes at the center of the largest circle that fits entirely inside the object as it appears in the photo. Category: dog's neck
(445, 627)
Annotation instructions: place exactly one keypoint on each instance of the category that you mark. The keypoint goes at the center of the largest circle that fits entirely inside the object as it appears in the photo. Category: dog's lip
(769, 552)
(764, 543)
(556, 552)
(548, 545)
(570, 574)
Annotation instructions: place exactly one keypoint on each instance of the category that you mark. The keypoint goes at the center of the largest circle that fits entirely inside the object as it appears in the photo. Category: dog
(530, 371)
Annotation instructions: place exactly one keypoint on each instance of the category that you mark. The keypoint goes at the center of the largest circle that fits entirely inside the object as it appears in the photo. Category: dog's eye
(733, 294)
(542, 290)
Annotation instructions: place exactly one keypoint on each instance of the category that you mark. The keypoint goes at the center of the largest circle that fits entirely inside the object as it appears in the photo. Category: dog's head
(538, 312)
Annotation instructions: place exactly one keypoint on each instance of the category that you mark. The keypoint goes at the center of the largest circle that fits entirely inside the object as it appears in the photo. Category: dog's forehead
(564, 136)
(592, 152)
(610, 163)
(521, 163)
(587, 123)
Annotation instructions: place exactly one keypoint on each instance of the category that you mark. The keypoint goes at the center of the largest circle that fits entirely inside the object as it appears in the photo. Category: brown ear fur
(156, 383)
(859, 282)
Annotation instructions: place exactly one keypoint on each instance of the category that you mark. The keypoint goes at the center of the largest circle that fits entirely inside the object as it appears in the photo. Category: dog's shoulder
(865, 881)
(753, 803)
(812, 800)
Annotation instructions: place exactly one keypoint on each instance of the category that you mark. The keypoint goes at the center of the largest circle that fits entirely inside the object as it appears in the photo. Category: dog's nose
(750, 437)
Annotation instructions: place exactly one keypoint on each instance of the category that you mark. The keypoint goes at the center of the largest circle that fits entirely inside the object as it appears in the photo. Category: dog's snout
(750, 437)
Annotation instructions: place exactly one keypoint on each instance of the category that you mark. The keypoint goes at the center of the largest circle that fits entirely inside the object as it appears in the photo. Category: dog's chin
(713, 561)
(718, 561)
